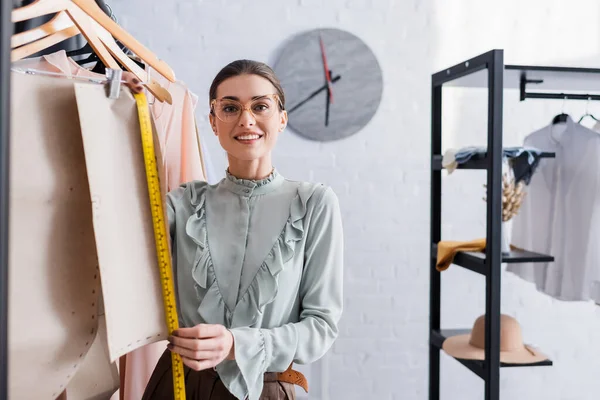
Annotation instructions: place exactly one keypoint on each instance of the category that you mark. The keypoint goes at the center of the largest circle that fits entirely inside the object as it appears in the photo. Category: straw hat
(471, 346)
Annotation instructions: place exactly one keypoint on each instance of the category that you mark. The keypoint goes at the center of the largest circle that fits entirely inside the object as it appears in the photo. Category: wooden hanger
(86, 28)
(96, 13)
(37, 9)
(78, 17)
(49, 41)
(102, 44)
(89, 7)
(59, 22)
(154, 87)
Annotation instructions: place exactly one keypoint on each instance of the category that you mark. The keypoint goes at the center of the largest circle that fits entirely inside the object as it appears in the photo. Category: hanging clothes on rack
(560, 214)
(175, 123)
(109, 156)
(177, 127)
(54, 282)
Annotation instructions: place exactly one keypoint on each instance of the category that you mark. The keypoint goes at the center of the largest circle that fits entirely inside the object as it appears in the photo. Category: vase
(505, 237)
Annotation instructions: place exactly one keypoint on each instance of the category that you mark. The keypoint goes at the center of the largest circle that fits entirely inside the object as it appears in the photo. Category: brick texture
(381, 175)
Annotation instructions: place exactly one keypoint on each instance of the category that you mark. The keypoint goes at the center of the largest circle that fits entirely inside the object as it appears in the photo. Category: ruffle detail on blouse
(264, 286)
(202, 267)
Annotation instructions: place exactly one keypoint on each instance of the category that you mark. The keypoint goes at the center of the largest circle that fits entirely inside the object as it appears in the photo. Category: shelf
(476, 366)
(475, 261)
(477, 162)
(554, 78)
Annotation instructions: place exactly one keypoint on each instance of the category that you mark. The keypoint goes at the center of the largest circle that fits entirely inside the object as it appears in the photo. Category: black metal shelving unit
(489, 71)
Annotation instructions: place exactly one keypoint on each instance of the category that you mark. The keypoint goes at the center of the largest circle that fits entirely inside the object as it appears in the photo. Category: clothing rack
(7, 29)
(488, 70)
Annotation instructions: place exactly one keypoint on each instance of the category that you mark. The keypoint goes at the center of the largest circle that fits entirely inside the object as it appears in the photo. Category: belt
(290, 376)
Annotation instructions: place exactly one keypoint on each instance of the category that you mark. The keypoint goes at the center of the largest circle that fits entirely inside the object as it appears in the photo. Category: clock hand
(327, 103)
(327, 71)
(313, 94)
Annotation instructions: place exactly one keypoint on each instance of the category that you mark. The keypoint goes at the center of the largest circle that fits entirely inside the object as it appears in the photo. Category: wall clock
(332, 82)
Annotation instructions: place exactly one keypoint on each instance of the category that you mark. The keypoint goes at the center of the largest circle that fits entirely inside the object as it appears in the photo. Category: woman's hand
(132, 82)
(202, 346)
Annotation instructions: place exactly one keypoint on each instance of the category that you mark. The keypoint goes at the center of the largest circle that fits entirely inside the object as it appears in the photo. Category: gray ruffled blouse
(265, 259)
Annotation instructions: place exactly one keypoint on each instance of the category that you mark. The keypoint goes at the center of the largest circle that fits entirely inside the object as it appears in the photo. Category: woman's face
(246, 117)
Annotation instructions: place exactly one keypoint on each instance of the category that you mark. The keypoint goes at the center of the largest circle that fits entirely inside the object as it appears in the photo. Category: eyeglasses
(229, 110)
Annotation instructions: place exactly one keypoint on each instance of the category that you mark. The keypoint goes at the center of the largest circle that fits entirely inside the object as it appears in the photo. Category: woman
(257, 258)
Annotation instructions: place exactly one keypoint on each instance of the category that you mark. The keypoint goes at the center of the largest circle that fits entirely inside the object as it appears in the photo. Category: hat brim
(458, 346)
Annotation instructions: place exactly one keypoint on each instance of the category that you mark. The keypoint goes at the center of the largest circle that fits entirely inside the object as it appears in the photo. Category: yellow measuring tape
(161, 237)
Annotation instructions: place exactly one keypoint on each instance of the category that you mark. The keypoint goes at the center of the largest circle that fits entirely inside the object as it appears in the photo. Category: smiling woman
(257, 258)
(247, 137)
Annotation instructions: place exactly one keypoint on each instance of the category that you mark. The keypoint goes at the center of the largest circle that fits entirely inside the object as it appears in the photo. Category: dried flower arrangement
(512, 196)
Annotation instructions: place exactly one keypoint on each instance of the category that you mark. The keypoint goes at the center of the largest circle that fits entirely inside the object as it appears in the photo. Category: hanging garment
(122, 218)
(54, 285)
(560, 214)
(595, 294)
(264, 258)
(181, 160)
(97, 377)
(49, 192)
(177, 132)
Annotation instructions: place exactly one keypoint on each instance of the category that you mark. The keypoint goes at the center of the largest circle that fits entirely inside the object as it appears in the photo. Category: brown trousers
(206, 385)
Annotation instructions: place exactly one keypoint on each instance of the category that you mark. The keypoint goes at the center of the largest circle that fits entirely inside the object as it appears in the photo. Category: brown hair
(250, 67)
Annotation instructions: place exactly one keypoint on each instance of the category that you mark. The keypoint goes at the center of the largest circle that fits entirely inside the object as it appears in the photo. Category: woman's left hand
(202, 346)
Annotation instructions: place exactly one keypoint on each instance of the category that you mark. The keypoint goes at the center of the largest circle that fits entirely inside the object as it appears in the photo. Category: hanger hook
(587, 105)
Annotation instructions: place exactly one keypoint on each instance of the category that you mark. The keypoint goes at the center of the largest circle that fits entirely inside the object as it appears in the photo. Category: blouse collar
(248, 187)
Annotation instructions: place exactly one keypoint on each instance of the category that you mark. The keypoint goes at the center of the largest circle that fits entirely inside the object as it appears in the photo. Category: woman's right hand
(132, 82)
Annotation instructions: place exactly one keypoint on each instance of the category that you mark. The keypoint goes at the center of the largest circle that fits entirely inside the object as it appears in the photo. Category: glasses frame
(246, 106)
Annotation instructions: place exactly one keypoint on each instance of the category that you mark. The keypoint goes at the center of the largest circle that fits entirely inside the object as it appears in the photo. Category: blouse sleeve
(321, 290)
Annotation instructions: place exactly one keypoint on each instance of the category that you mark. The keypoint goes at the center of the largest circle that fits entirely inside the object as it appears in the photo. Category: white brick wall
(381, 174)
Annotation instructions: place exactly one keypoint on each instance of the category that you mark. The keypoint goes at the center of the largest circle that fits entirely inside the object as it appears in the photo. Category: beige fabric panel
(98, 378)
(122, 219)
(53, 276)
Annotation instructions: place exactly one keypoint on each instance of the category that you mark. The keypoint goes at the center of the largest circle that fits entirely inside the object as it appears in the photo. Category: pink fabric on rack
(56, 62)
(177, 125)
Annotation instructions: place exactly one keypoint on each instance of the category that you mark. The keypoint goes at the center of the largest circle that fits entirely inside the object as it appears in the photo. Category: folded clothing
(524, 160)
(447, 249)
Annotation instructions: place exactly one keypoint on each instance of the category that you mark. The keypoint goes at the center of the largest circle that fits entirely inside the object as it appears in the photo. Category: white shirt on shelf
(560, 214)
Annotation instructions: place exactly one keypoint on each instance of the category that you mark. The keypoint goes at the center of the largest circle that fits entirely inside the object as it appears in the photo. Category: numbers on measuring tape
(160, 237)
